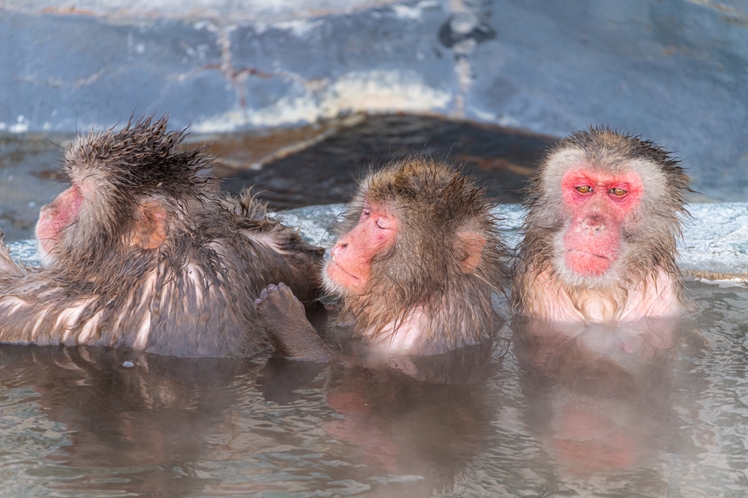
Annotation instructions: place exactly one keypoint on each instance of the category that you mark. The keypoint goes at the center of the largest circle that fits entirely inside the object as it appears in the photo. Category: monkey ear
(150, 228)
(472, 248)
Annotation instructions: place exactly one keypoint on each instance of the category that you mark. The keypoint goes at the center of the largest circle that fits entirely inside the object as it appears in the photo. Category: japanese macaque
(417, 259)
(603, 217)
(144, 252)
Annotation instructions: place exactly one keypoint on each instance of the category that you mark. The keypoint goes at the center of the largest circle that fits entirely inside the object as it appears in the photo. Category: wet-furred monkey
(604, 213)
(417, 258)
(142, 251)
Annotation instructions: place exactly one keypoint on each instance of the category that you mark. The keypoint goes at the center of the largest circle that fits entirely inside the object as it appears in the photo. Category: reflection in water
(140, 414)
(422, 417)
(599, 397)
(136, 423)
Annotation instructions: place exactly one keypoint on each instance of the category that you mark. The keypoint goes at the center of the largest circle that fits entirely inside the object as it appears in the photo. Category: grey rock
(671, 70)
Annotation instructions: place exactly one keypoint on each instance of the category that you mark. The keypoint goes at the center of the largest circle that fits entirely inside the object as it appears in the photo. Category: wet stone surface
(291, 168)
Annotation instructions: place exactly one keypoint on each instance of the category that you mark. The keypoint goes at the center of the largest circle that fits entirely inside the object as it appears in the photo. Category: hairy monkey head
(124, 185)
(412, 227)
(602, 207)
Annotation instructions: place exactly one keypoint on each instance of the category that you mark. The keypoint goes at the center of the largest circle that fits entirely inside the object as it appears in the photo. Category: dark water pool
(655, 410)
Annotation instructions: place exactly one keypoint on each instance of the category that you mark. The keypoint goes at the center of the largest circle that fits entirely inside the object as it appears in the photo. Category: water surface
(657, 409)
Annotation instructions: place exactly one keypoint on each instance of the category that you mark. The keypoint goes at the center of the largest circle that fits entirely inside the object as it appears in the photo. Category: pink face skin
(56, 216)
(350, 265)
(599, 202)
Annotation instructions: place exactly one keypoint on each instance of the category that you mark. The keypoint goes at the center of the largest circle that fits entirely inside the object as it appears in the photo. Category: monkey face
(600, 232)
(349, 268)
(617, 211)
(600, 204)
(417, 259)
(56, 217)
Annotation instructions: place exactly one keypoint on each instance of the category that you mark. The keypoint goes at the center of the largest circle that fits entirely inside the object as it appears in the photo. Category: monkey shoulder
(658, 295)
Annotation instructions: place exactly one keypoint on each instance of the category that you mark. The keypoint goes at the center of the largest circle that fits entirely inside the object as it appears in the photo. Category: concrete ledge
(714, 245)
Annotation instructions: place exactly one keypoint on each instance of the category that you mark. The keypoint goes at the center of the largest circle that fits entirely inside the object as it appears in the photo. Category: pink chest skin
(412, 337)
(407, 339)
(549, 299)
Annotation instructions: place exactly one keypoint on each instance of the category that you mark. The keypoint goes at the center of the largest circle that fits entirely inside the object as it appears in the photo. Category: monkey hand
(287, 327)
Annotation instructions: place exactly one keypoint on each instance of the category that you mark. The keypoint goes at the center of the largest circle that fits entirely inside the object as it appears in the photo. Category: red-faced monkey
(417, 259)
(604, 213)
(143, 252)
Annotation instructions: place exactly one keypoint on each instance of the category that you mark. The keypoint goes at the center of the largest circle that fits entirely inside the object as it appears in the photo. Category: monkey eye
(365, 214)
(384, 222)
(618, 192)
(584, 189)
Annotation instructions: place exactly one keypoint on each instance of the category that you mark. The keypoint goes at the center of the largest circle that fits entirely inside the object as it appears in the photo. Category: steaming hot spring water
(655, 409)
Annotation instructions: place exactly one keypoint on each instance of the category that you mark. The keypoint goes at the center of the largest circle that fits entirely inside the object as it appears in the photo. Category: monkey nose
(340, 246)
(593, 224)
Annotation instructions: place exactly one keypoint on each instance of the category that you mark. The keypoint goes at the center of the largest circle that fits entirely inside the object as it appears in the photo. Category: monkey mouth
(587, 263)
(578, 253)
(333, 262)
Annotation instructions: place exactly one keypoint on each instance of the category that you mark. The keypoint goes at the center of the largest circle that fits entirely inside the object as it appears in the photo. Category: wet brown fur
(649, 238)
(433, 203)
(192, 295)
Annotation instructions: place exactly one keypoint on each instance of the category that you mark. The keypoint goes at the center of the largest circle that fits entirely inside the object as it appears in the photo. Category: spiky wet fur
(192, 296)
(648, 239)
(417, 282)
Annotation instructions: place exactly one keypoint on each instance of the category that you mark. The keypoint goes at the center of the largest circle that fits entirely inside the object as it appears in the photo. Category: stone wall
(674, 71)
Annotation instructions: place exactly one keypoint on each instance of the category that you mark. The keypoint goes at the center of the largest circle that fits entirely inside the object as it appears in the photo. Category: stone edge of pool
(714, 245)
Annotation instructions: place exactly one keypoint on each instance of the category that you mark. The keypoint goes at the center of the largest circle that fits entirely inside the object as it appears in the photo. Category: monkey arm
(303, 259)
(288, 330)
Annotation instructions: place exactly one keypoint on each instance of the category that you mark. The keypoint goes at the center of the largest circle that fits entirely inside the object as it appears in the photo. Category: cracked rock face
(666, 69)
(222, 66)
